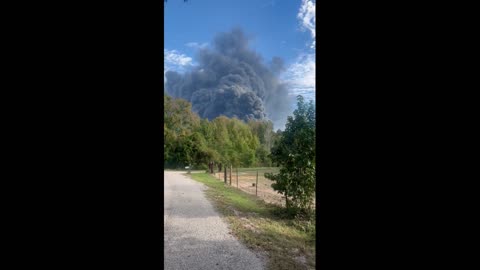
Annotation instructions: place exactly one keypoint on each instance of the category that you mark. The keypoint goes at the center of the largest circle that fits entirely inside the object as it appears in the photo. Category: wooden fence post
(256, 185)
(225, 174)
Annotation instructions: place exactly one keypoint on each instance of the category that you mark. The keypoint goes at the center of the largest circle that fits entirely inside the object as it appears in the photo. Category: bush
(295, 153)
(201, 167)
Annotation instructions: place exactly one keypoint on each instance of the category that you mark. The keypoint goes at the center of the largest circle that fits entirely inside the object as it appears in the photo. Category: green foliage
(180, 125)
(190, 140)
(263, 130)
(295, 153)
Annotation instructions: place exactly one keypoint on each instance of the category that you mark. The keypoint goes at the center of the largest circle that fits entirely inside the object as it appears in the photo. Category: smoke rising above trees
(232, 80)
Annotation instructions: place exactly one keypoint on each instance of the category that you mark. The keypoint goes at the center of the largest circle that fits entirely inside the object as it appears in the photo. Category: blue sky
(282, 28)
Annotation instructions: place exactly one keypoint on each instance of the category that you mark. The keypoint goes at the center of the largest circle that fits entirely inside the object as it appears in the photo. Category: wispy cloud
(175, 58)
(175, 61)
(306, 15)
(196, 45)
(301, 76)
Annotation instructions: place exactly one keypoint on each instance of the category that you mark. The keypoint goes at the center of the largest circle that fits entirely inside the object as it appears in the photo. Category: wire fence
(246, 180)
(253, 181)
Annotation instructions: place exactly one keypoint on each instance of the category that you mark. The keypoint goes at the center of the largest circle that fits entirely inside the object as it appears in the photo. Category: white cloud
(176, 61)
(306, 15)
(196, 45)
(301, 76)
(174, 58)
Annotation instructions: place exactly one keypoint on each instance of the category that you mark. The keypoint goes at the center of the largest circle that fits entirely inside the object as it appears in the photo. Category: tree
(263, 130)
(179, 125)
(294, 152)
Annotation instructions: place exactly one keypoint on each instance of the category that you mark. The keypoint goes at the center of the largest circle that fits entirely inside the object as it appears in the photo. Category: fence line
(252, 181)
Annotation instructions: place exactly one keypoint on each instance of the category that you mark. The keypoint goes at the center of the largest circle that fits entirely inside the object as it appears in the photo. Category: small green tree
(294, 152)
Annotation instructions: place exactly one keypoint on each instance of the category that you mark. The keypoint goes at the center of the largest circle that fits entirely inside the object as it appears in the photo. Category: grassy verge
(289, 244)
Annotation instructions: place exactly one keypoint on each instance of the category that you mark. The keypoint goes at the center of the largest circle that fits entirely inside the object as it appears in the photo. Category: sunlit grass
(289, 244)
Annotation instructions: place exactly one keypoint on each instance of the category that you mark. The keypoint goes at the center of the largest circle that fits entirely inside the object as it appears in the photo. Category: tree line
(192, 141)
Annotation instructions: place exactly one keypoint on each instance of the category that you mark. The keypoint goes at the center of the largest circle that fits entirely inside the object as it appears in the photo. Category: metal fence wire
(246, 180)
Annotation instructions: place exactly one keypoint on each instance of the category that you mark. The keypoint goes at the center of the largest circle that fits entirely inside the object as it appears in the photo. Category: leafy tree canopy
(295, 153)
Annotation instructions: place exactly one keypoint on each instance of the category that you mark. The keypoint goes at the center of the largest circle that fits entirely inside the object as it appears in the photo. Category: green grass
(289, 244)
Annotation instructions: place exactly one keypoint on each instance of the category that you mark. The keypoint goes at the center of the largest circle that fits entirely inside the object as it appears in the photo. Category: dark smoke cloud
(232, 80)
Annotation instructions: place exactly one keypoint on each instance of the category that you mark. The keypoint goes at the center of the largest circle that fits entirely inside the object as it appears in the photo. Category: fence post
(225, 174)
(256, 185)
(237, 177)
(231, 174)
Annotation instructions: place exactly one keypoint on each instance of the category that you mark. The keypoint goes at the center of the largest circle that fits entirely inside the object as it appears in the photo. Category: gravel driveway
(195, 236)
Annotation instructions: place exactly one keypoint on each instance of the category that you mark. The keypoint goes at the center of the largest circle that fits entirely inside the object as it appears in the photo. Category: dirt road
(195, 235)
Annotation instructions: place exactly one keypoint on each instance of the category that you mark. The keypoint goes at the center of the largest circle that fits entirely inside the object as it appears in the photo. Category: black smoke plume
(232, 80)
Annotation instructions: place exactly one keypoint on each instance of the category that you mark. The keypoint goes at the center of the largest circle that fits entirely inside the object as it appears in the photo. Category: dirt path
(195, 235)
